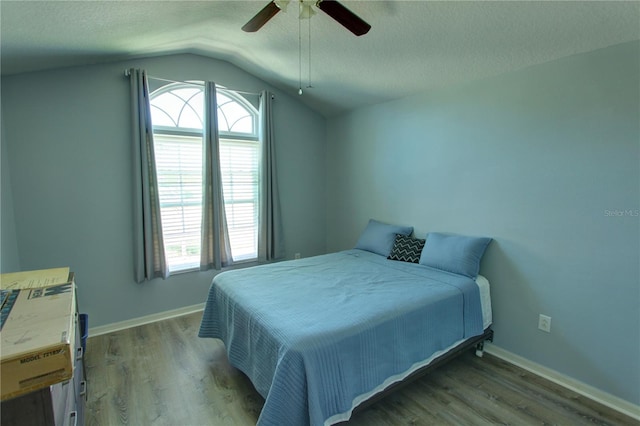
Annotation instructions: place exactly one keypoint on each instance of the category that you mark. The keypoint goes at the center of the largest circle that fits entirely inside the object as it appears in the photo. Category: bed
(319, 336)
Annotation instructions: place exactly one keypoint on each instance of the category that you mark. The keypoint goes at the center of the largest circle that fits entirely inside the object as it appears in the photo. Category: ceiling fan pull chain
(309, 85)
(300, 55)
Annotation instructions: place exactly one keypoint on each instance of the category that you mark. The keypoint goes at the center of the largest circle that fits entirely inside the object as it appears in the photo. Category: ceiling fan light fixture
(306, 11)
(282, 4)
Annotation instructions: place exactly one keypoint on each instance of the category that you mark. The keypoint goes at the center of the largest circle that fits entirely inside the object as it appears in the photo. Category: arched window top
(180, 106)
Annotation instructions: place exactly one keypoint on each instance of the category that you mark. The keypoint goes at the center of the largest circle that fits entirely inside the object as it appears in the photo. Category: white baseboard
(134, 322)
(604, 398)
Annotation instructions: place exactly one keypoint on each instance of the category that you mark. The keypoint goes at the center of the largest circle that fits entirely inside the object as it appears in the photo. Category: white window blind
(178, 148)
(179, 170)
(239, 169)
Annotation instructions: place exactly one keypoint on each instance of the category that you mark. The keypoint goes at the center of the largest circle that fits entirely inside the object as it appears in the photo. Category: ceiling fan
(337, 11)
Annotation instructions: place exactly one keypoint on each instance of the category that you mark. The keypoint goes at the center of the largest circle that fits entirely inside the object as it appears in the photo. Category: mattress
(485, 300)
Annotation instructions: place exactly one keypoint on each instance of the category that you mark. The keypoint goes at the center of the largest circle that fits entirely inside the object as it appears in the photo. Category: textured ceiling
(412, 46)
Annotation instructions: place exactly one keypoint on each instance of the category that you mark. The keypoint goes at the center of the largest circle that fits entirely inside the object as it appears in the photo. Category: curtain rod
(127, 73)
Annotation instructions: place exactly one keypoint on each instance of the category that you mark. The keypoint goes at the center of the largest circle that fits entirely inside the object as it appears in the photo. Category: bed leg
(480, 345)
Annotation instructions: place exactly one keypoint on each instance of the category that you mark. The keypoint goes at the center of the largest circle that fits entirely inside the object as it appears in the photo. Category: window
(177, 112)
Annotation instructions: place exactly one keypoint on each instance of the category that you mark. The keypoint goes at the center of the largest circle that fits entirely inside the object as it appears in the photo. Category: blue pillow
(454, 253)
(378, 237)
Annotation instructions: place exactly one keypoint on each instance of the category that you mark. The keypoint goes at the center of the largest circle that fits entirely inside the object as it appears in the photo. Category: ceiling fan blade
(344, 16)
(261, 18)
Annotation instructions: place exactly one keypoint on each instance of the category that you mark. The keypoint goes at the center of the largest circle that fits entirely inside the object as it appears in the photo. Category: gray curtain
(270, 235)
(149, 259)
(215, 251)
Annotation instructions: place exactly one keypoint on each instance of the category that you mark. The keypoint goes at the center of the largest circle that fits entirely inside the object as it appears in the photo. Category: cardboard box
(37, 338)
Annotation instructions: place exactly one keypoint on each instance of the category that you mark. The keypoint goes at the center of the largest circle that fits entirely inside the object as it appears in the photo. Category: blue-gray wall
(67, 134)
(9, 260)
(544, 160)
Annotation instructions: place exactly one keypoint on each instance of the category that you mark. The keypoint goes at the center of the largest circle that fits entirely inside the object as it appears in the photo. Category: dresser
(56, 397)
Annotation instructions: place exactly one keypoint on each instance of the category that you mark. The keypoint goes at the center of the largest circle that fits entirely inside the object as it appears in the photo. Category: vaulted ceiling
(412, 46)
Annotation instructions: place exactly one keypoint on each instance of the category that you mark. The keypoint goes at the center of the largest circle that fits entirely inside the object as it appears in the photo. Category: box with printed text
(37, 337)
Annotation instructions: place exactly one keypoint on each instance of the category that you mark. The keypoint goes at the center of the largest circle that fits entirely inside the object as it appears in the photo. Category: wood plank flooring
(163, 374)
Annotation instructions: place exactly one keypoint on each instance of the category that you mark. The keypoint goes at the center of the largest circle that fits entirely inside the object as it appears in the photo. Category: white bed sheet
(485, 301)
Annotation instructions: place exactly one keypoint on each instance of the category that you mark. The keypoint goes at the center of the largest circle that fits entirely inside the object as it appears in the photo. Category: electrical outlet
(296, 256)
(544, 323)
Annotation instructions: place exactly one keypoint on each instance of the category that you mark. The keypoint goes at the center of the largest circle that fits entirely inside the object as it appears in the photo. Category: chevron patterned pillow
(406, 249)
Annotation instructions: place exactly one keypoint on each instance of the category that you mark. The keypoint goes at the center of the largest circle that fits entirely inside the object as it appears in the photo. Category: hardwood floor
(163, 374)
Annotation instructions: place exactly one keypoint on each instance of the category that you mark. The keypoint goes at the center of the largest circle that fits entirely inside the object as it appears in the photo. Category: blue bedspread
(315, 334)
